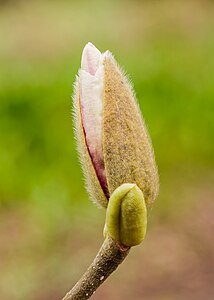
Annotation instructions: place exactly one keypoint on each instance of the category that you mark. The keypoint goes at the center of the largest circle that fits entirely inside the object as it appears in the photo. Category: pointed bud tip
(108, 55)
(91, 57)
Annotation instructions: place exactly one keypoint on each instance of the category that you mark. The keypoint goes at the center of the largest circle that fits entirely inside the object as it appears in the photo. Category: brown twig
(110, 255)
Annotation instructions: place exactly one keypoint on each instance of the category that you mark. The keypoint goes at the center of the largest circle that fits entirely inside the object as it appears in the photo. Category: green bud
(126, 215)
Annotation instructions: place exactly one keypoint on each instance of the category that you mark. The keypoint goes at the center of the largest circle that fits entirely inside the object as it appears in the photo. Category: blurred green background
(49, 230)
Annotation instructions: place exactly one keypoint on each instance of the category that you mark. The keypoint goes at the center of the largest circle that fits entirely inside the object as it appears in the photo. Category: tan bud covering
(127, 149)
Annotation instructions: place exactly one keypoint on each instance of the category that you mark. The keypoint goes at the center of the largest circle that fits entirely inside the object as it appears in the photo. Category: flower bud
(113, 142)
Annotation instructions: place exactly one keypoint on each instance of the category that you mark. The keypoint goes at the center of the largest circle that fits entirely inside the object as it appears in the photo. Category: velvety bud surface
(127, 149)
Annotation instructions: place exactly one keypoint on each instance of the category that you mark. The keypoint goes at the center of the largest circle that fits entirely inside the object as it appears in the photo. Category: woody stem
(110, 255)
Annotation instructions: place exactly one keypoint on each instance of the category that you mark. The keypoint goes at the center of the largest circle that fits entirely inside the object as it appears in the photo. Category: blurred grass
(172, 71)
(167, 48)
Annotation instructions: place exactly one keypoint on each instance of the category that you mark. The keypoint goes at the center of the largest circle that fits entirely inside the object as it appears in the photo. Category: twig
(110, 255)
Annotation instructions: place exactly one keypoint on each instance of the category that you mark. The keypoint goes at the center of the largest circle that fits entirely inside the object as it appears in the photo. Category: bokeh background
(49, 230)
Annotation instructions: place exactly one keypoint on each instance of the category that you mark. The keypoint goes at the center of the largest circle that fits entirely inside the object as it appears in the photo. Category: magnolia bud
(113, 142)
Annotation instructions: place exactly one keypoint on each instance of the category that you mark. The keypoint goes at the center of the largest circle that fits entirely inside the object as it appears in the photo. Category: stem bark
(110, 255)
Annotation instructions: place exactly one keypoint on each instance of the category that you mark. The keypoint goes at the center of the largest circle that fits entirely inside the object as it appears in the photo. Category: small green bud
(126, 215)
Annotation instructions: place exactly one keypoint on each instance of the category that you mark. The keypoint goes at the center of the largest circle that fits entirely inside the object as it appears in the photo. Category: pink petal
(91, 58)
(91, 93)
